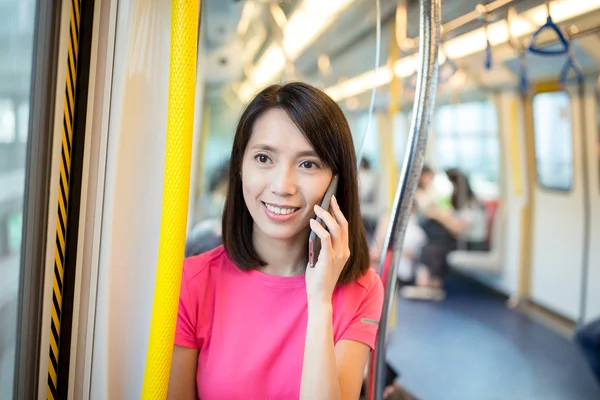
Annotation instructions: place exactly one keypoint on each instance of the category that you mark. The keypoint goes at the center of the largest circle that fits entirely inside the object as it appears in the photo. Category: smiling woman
(284, 177)
(306, 332)
(293, 137)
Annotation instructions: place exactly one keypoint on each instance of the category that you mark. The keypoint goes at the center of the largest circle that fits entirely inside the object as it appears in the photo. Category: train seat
(483, 261)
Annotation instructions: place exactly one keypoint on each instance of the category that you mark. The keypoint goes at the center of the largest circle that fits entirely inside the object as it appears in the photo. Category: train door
(558, 197)
(591, 306)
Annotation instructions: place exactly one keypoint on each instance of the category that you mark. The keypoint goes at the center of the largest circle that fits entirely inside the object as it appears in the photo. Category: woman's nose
(284, 182)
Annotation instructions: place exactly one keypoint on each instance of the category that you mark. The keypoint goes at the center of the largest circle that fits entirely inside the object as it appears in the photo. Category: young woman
(254, 322)
(468, 220)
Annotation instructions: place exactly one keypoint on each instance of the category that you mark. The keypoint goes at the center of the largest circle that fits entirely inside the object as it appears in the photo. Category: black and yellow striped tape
(63, 197)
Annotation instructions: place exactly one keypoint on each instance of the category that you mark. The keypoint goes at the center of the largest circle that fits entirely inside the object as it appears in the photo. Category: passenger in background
(414, 240)
(426, 197)
(467, 220)
(431, 266)
(372, 196)
(254, 321)
(215, 201)
(206, 235)
(587, 338)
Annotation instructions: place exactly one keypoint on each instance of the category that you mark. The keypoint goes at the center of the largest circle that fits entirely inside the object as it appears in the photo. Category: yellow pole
(394, 107)
(185, 16)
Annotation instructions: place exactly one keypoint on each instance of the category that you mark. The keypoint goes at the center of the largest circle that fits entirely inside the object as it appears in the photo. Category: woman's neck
(283, 257)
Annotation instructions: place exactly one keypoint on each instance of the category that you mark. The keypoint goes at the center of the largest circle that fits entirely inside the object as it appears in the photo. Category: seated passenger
(206, 235)
(254, 321)
(440, 241)
(414, 240)
(467, 220)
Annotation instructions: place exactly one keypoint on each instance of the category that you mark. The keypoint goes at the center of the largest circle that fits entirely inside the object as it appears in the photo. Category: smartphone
(314, 242)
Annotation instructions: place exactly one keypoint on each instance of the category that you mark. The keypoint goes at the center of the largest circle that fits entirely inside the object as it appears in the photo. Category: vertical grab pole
(429, 31)
(185, 16)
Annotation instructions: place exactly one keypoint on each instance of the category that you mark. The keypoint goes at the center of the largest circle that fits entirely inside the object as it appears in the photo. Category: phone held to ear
(314, 243)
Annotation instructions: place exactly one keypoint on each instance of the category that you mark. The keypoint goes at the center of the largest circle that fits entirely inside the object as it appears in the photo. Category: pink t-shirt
(250, 327)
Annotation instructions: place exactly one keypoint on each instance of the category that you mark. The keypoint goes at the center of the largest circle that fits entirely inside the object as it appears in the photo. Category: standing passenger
(254, 322)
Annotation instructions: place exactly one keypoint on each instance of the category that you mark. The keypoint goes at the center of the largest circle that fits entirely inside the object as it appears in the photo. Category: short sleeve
(185, 331)
(363, 327)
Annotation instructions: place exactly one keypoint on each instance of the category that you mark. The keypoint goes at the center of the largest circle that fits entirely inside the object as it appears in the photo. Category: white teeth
(281, 211)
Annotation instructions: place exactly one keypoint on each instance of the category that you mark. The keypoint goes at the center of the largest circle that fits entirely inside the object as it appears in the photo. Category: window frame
(36, 198)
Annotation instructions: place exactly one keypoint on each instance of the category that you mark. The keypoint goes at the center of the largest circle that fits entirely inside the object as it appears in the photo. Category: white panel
(557, 238)
(593, 277)
(132, 200)
(101, 66)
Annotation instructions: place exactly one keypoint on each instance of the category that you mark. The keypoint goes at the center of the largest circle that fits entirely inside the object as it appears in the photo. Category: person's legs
(430, 273)
(587, 338)
(433, 259)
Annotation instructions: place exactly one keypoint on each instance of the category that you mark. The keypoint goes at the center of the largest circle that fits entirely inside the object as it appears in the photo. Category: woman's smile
(280, 213)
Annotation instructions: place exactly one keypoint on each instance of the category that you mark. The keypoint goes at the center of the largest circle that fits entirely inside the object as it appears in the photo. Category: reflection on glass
(553, 140)
(16, 46)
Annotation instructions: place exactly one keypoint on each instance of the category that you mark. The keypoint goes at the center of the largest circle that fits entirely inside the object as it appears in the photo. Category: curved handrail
(429, 33)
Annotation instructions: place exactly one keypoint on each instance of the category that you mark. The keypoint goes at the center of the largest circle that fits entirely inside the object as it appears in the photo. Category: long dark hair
(462, 194)
(324, 125)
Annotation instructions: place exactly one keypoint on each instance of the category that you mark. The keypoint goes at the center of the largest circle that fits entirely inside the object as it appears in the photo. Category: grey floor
(471, 346)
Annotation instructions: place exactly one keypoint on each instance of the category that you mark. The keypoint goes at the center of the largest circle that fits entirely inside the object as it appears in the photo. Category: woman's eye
(309, 164)
(261, 158)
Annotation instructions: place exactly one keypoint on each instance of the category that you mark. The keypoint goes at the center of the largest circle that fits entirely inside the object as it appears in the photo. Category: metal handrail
(461, 21)
(430, 17)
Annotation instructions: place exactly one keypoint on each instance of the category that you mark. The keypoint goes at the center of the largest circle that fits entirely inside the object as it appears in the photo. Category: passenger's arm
(319, 368)
(330, 372)
(455, 225)
(351, 358)
(182, 382)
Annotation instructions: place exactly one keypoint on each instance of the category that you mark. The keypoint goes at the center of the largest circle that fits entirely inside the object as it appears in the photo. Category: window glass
(598, 121)
(7, 121)
(466, 137)
(16, 58)
(401, 129)
(553, 140)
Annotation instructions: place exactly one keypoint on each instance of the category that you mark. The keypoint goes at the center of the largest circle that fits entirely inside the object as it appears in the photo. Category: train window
(16, 53)
(7, 121)
(553, 140)
(401, 130)
(466, 137)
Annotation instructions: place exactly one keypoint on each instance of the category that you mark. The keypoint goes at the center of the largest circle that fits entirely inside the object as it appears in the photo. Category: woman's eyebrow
(307, 153)
(266, 147)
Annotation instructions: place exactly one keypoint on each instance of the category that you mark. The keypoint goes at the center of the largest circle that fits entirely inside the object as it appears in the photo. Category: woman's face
(426, 180)
(282, 177)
